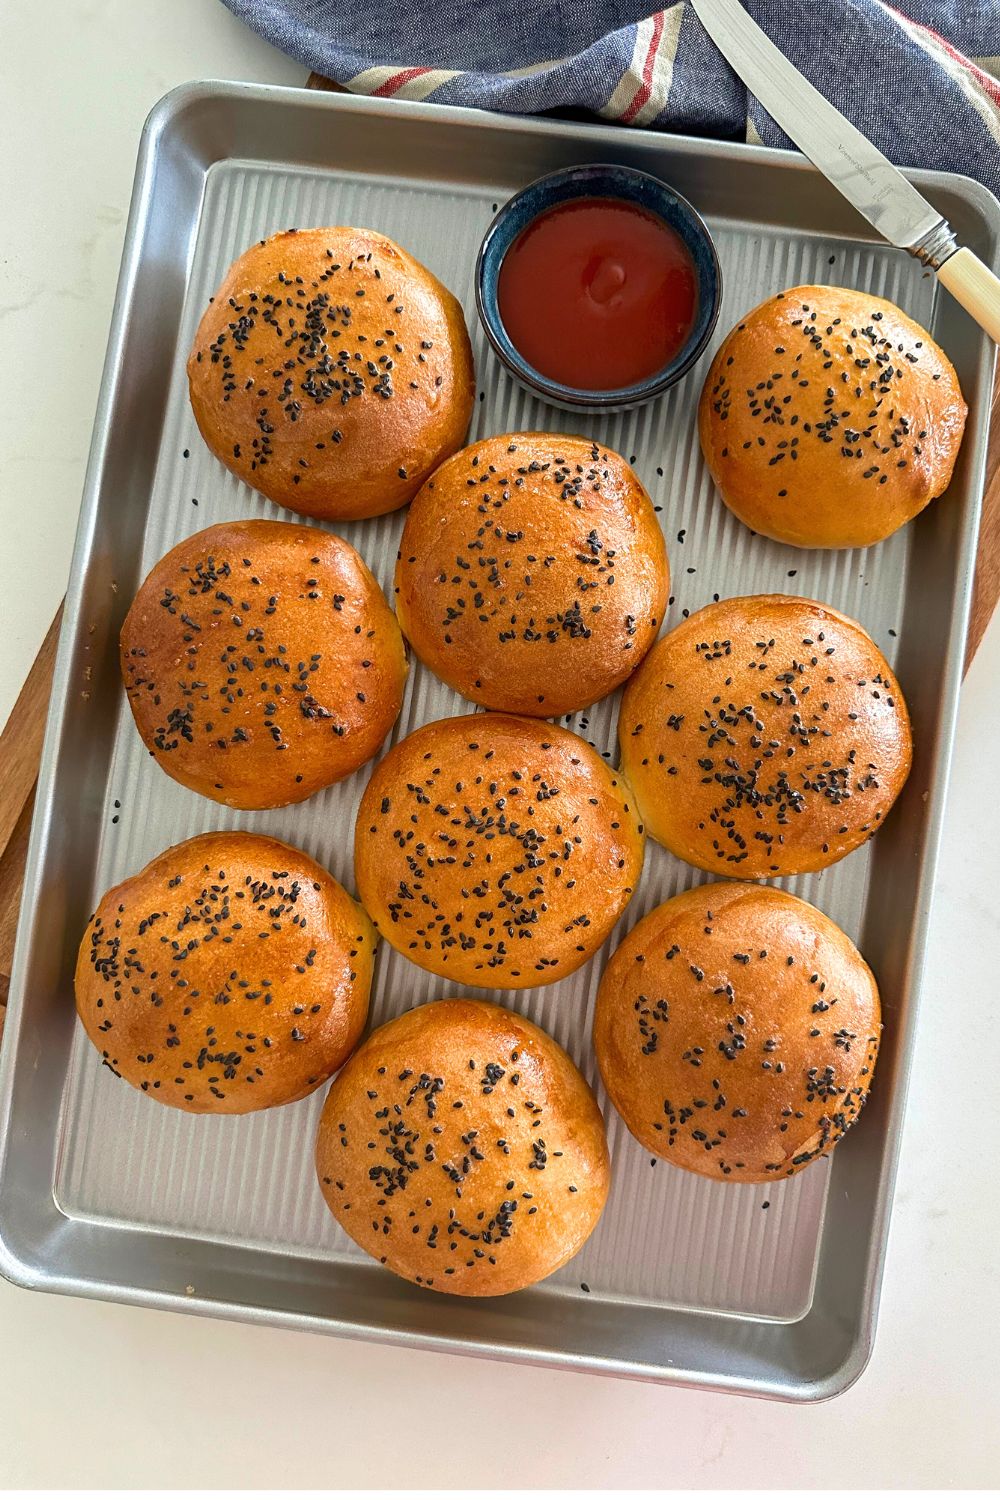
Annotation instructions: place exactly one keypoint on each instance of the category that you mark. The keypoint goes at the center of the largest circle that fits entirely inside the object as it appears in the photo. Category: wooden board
(21, 740)
(20, 752)
(986, 591)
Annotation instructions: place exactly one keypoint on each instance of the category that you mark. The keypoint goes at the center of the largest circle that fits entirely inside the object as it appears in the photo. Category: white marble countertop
(96, 1395)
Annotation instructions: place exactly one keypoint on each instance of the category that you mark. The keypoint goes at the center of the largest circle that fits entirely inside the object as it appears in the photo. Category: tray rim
(21, 1270)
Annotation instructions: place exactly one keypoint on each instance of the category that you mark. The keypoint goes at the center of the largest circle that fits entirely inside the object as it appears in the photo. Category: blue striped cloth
(921, 81)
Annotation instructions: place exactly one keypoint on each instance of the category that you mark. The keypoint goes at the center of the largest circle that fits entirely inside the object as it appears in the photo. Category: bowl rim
(504, 347)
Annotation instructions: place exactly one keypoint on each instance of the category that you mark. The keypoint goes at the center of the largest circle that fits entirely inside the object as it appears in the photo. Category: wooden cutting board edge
(21, 740)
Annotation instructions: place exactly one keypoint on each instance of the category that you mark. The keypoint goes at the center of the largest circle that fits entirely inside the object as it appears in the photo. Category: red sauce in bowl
(598, 293)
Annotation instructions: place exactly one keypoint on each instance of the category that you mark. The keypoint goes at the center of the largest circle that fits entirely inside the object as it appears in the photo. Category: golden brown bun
(736, 1031)
(496, 851)
(332, 372)
(462, 1149)
(262, 662)
(532, 574)
(829, 418)
(764, 736)
(231, 974)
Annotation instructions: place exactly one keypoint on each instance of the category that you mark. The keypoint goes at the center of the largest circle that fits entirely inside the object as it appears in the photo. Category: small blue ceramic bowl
(598, 181)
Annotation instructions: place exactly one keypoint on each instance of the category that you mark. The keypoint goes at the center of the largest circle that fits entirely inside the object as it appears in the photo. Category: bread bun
(764, 736)
(462, 1149)
(736, 1030)
(262, 662)
(231, 974)
(532, 574)
(496, 851)
(829, 418)
(332, 372)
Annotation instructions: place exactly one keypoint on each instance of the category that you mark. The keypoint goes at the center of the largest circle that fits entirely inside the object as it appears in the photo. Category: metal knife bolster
(935, 247)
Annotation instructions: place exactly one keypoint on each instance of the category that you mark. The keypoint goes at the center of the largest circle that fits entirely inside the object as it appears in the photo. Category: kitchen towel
(921, 81)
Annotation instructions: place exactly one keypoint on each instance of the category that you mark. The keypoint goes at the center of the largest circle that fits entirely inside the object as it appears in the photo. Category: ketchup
(598, 293)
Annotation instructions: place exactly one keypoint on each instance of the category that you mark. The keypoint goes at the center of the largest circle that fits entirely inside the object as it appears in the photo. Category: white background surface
(96, 1395)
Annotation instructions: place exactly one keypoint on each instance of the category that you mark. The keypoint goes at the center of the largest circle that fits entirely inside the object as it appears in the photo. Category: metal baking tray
(102, 1192)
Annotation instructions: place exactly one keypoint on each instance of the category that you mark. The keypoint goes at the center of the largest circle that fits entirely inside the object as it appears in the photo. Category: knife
(857, 169)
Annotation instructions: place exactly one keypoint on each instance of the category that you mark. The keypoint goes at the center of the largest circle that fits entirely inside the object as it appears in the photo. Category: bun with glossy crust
(737, 1030)
(462, 1149)
(765, 735)
(262, 662)
(829, 418)
(230, 974)
(496, 851)
(332, 372)
(532, 573)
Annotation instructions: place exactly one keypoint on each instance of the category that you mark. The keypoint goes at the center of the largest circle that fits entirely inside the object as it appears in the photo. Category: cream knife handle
(974, 285)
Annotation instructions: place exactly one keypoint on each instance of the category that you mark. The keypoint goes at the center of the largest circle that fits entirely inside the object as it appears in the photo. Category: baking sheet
(721, 1283)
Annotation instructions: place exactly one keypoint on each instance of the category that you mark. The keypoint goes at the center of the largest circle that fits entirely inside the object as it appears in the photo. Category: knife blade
(855, 167)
